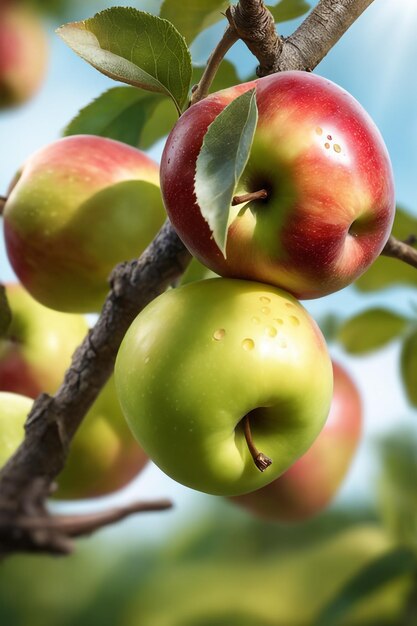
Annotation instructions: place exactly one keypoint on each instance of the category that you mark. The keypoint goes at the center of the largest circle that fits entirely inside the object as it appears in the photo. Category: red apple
(23, 53)
(311, 483)
(328, 177)
(34, 356)
(80, 206)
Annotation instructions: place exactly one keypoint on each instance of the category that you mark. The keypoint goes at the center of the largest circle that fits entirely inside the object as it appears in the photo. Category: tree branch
(26, 480)
(255, 25)
(319, 32)
(400, 250)
(3, 201)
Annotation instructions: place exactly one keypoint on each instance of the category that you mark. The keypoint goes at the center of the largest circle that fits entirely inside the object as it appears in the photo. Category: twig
(201, 91)
(400, 250)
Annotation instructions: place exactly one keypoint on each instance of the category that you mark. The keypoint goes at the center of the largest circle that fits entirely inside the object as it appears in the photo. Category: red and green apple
(34, 355)
(23, 53)
(78, 207)
(322, 162)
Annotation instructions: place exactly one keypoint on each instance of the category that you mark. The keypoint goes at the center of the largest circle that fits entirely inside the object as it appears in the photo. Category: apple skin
(80, 206)
(38, 346)
(309, 485)
(13, 411)
(199, 358)
(23, 54)
(328, 175)
(34, 356)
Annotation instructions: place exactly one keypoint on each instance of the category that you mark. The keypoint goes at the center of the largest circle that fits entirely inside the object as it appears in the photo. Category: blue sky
(375, 61)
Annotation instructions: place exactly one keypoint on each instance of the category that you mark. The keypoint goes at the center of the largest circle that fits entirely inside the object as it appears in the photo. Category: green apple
(23, 53)
(79, 207)
(34, 356)
(13, 411)
(211, 370)
(309, 485)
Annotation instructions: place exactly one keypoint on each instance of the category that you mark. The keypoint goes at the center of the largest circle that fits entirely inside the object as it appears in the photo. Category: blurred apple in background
(23, 53)
(310, 484)
(34, 356)
(13, 411)
(78, 207)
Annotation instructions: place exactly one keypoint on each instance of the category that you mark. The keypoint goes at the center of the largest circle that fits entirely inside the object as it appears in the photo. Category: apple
(13, 411)
(34, 356)
(80, 206)
(23, 53)
(38, 346)
(220, 376)
(309, 485)
(328, 180)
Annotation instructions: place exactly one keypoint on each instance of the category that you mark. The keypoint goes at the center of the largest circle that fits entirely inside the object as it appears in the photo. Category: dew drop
(337, 148)
(327, 145)
(289, 305)
(219, 334)
(294, 320)
(266, 310)
(329, 137)
(265, 300)
(147, 359)
(256, 320)
(279, 321)
(248, 344)
(271, 331)
(319, 131)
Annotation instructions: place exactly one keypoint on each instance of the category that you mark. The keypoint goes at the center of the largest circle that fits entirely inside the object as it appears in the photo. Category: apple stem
(262, 194)
(260, 459)
(3, 201)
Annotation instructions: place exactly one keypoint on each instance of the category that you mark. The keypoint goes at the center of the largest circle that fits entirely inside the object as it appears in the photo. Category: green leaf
(386, 272)
(5, 313)
(371, 330)
(222, 159)
(289, 9)
(408, 362)
(120, 113)
(192, 17)
(383, 570)
(135, 48)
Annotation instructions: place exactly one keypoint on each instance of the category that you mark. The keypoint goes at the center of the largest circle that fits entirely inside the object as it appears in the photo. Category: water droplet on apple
(337, 148)
(327, 145)
(271, 331)
(266, 310)
(265, 300)
(282, 343)
(294, 320)
(248, 344)
(219, 334)
(278, 320)
(329, 137)
(147, 359)
(289, 305)
(319, 131)
(256, 320)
